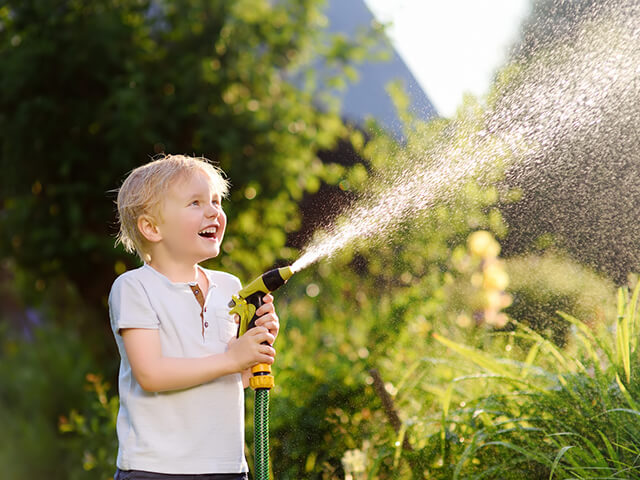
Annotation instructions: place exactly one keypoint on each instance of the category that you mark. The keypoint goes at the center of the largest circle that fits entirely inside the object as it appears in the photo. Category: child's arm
(156, 373)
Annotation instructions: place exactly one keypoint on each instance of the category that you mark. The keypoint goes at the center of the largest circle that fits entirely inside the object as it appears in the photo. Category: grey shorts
(140, 475)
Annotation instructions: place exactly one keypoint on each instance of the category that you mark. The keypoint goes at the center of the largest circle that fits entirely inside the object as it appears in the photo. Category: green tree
(91, 90)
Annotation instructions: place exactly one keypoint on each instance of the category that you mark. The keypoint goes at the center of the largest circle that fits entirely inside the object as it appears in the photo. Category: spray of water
(579, 95)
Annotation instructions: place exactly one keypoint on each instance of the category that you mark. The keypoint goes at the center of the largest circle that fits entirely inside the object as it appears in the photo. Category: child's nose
(214, 210)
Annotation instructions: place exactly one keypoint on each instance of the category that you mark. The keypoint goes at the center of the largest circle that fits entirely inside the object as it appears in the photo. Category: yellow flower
(493, 300)
(482, 244)
(495, 277)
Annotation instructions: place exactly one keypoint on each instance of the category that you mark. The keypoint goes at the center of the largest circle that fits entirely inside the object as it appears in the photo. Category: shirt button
(206, 324)
(197, 292)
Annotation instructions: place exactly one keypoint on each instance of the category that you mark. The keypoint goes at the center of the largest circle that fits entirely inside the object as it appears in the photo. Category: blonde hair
(142, 191)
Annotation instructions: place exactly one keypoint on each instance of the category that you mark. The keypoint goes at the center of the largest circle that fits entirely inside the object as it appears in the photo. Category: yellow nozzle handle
(249, 298)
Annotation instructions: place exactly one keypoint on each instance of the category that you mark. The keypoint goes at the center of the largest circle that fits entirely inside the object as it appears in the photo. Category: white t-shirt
(189, 431)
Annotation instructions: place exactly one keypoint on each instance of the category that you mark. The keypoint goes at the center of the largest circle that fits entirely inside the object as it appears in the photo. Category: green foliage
(577, 416)
(93, 432)
(387, 306)
(41, 376)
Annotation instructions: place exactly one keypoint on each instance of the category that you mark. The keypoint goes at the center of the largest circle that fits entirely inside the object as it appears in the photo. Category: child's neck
(179, 273)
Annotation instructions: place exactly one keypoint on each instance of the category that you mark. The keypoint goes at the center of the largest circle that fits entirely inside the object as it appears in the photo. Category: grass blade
(561, 453)
(479, 358)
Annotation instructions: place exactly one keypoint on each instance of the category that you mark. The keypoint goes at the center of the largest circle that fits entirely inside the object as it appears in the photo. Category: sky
(452, 46)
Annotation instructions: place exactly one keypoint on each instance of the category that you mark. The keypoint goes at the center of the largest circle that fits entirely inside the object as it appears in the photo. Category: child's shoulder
(132, 274)
(129, 277)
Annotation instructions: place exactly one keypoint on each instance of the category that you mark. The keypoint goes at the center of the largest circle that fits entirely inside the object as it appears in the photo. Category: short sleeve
(129, 306)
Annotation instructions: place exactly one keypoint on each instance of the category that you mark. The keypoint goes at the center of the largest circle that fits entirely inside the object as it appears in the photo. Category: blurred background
(303, 103)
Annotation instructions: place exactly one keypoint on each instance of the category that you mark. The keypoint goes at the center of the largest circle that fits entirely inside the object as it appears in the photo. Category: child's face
(193, 221)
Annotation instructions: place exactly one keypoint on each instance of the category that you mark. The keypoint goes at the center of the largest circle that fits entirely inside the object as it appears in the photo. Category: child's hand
(248, 350)
(267, 316)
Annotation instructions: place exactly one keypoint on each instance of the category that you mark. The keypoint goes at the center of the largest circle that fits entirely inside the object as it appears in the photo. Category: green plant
(94, 431)
(576, 418)
(42, 375)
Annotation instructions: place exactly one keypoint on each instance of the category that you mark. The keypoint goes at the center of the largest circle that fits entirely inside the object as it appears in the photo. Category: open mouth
(209, 232)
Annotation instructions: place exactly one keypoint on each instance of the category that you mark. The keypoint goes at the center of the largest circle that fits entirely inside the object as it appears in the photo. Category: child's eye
(195, 203)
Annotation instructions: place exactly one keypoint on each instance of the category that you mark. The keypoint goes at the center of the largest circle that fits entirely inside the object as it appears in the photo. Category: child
(180, 383)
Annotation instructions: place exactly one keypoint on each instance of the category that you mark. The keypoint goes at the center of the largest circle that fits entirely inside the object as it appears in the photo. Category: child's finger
(271, 322)
(257, 330)
(266, 359)
(265, 336)
(265, 308)
(267, 317)
(259, 334)
(268, 350)
(268, 298)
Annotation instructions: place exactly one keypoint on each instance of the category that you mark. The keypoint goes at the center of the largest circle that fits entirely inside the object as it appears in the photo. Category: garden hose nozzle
(245, 304)
(249, 298)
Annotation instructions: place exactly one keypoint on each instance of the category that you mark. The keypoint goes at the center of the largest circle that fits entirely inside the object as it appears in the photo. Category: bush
(94, 432)
(41, 377)
(577, 417)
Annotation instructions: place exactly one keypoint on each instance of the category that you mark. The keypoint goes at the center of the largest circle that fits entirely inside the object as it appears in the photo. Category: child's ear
(149, 229)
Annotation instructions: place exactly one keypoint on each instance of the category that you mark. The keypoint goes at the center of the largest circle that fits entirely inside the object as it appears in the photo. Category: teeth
(208, 231)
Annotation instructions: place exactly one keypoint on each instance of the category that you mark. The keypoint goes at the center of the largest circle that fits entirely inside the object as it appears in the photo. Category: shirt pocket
(227, 326)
